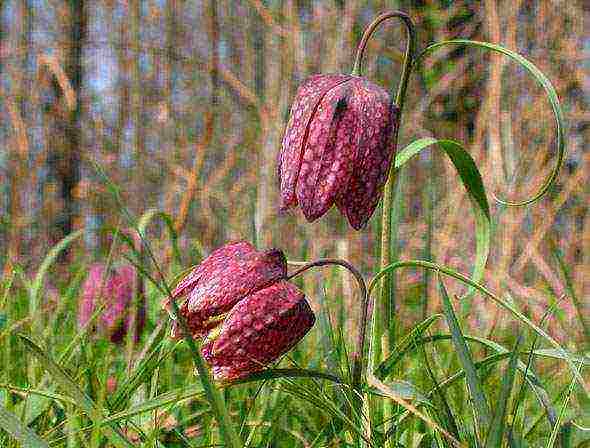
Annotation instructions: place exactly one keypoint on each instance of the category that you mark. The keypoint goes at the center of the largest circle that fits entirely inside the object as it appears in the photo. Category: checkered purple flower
(237, 299)
(337, 148)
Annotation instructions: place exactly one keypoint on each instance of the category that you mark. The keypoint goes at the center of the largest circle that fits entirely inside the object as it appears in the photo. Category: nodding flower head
(258, 330)
(237, 299)
(115, 289)
(337, 148)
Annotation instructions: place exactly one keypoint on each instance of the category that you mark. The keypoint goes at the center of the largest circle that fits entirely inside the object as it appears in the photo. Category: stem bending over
(357, 369)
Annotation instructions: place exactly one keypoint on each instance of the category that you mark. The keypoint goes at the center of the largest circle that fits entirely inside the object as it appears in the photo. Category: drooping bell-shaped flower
(237, 299)
(258, 330)
(115, 290)
(337, 148)
(225, 277)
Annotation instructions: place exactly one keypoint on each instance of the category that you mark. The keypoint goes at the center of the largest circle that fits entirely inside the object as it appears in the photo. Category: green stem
(380, 342)
(228, 432)
(366, 310)
(359, 357)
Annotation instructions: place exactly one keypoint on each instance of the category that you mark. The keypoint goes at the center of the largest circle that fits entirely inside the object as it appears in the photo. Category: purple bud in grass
(238, 301)
(116, 291)
(337, 147)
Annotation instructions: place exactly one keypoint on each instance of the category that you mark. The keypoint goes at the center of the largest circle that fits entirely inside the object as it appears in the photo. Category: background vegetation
(183, 105)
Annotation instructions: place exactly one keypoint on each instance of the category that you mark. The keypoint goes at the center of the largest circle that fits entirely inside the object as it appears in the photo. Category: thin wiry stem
(357, 369)
(387, 304)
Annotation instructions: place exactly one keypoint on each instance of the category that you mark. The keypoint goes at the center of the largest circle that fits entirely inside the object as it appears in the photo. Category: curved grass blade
(482, 409)
(502, 353)
(497, 428)
(551, 95)
(472, 180)
(447, 415)
(148, 217)
(70, 387)
(143, 370)
(177, 396)
(487, 293)
(13, 426)
(540, 352)
(46, 264)
(403, 345)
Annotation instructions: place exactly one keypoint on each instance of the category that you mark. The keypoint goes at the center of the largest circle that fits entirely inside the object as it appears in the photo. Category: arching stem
(387, 305)
(357, 369)
(381, 345)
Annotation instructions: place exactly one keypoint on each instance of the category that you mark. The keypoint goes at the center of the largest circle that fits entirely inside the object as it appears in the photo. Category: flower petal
(223, 279)
(259, 330)
(330, 151)
(376, 150)
(306, 101)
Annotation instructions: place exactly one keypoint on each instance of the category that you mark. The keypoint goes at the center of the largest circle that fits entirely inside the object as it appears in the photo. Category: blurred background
(183, 104)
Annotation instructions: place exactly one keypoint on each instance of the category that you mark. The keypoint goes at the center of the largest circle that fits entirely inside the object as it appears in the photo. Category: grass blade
(487, 293)
(70, 387)
(402, 347)
(13, 426)
(562, 411)
(496, 432)
(473, 381)
(46, 264)
(390, 393)
(472, 180)
(551, 95)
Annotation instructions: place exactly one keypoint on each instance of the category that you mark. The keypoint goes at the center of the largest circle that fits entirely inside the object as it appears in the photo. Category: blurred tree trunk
(137, 97)
(271, 96)
(209, 118)
(65, 152)
(18, 156)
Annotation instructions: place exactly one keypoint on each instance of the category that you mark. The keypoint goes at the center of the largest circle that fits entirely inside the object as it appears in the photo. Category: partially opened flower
(114, 289)
(238, 300)
(337, 147)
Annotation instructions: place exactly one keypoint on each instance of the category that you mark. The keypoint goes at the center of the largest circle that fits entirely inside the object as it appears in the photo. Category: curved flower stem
(408, 57)
(386, 256)
(357, 369)
(381, 345)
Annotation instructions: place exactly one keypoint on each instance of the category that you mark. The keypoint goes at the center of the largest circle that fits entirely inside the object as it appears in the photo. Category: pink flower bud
(337, 147)
(116, 291)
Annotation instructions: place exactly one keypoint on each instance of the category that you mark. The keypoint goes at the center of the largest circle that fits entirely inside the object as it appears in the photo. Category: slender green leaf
(561, 415)
(473, 381)
(551, 95)
(70, 387)
(145, 220)
(403, 346)
(44, 268)
(472, 180)
(497, 428)
(487, 293)
(390, 393)
(13, 426)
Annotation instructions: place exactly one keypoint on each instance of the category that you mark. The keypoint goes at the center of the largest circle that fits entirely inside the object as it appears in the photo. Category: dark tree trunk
(67, 158)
